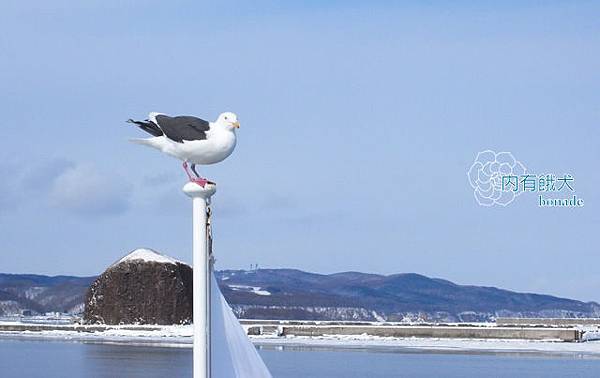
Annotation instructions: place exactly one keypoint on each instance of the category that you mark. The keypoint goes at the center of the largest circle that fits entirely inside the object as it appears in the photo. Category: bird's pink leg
(198, 180)
(187, 172)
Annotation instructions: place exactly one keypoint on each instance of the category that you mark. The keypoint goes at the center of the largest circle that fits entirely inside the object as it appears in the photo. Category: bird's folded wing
(183, 128)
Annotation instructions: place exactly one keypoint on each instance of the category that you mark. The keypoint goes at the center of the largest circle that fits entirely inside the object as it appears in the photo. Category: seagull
(190, 139)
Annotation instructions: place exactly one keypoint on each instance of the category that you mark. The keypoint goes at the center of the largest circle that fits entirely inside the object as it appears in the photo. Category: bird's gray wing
(183, 128)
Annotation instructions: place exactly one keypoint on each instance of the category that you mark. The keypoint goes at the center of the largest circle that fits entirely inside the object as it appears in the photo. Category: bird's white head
(229, 120)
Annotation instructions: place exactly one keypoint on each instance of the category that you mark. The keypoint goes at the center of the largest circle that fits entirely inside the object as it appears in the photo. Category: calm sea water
(50, 359)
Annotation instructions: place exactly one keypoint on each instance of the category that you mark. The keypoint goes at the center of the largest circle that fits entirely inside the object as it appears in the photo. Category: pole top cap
(194, 190)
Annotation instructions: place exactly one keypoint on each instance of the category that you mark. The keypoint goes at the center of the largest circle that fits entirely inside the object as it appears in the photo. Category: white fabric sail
(232, 353)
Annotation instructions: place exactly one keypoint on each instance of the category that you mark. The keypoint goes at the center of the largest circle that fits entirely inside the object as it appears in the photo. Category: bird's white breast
(218, 145)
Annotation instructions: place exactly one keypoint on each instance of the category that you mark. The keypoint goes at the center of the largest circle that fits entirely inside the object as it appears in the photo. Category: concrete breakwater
(487, 331)
(438, 332)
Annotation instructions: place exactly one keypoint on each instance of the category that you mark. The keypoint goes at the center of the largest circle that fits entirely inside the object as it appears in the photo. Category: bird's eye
(225, 117)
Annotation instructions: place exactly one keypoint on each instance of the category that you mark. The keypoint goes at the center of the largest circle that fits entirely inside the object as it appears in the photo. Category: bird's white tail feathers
(152, 142)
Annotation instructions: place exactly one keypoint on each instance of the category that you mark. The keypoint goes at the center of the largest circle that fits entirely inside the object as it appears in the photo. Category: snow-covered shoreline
(175, 335)
(180, 336)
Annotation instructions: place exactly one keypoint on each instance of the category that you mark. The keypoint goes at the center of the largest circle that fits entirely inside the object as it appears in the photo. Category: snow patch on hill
(148, 255)
(252, 289)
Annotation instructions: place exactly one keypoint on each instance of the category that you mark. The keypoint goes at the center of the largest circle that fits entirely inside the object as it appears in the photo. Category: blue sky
(359, 123)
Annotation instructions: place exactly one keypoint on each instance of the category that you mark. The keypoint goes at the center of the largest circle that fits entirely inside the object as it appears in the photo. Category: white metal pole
(201, 285)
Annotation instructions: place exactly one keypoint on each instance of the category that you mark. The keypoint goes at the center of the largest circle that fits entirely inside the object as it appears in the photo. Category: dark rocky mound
(144, 287)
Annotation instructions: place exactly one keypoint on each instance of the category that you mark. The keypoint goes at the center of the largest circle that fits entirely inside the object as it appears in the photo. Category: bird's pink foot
(195, 179)
(200, 181)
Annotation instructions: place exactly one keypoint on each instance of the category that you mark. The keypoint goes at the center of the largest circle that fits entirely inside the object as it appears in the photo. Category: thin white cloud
(83, 190)
(44, 173)
(20, 179)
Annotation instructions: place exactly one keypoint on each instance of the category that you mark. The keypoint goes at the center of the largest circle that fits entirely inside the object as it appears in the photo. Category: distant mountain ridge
(361, 296)
(294, 294)
(40, 294)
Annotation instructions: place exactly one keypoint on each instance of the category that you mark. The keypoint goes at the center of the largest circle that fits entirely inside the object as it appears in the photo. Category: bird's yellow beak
(235, 124)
